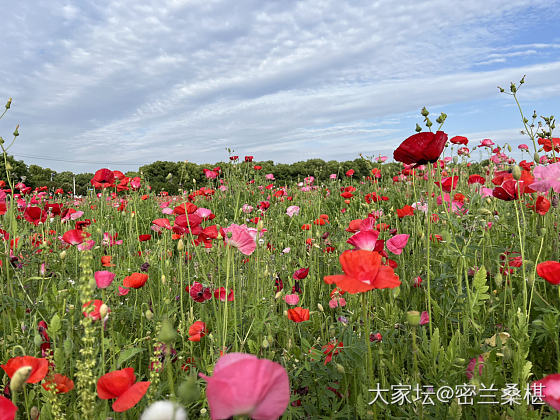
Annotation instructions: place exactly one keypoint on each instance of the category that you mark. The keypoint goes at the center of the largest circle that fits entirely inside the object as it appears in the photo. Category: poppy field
(427, 289)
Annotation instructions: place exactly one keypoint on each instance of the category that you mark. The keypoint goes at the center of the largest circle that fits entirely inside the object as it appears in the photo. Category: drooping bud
(413, 318)
(424, 112)
(20, 376)
(103, 311)
(16, 131)
(34, 413)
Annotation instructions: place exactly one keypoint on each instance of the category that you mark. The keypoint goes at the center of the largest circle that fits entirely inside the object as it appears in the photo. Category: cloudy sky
(123, 83)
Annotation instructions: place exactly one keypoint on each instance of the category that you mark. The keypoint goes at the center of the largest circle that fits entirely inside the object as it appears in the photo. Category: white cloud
(287, 80)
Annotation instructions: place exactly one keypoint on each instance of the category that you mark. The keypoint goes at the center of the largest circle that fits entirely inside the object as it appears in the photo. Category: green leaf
(128, 354)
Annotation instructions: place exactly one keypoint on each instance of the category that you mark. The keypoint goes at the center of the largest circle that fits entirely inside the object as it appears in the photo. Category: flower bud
(103, 311)
(20, 376)
(498, 279)
(163, 279)
(62, 255)
(536, 157)
(340, 368)
(167, 334)
(149, 315)
(531, 279)
(278, 294)
(320, 307)
(188, 391)
(180, 245)
(37, 340)
(516, 172)
(9, 103)
(34, 413)
(265, 343)
(413, 318)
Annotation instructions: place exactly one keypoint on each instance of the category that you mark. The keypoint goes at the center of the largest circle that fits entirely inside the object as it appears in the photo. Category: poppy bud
(20, 376)
(536, 157)
(9, 103)
(320, 307)
(103, 311)
(340, 368)
(531, 279)
(203, 411)
(37, 340)
(163, 279)
(16, 132)
(413, 318)
(180, 245)
(188, 391)
(498, 279)
(418, 128)
(1, 140)
(265, 343)
(167, 334)
(278, 294)
(9, 167)
(149, 315)
(62, 255)
(516, 172)
(424, 112)
(488, 200)
(34, 413)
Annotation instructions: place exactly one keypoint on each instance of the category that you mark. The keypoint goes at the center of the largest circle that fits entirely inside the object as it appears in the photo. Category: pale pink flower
(247, 208)
(523, 147)
(241, 238)
(332, 176)
(203, 212)
(382, 159)
(270, 177)
(486, 143)
(547, 177)
(222, 188)
(167, 210)
(292, 211)
(243, 384)
(86, 245)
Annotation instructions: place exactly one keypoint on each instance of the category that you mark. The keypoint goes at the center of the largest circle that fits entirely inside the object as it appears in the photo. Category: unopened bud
(424, 112)
(320, 307)
(531, 279)
(16, 131)
(20, 376)
(180, 245)
(265, 343)
(278, 294)
(536, 157)
(340, 368)
(188, 391)
(167, 334)
(498, 279)
(62, 255)
(149, 315)
(516, 172)
(163, 279)
(103, 311)
(9, 103)
(34, 413)
(37, 340)
(413, 318)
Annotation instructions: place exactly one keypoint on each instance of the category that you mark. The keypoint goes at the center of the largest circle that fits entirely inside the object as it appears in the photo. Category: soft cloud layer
(107, 82)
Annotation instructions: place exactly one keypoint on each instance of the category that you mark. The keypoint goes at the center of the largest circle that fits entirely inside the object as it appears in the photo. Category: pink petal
(103, 279)
(365, 239)
(123, 291)
(397, 243)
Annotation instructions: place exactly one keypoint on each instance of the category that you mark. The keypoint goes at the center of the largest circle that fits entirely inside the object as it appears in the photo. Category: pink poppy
(240, 238)
(424, 318)
(549, 388)
(292, 299)
(292, 211)
(366, 240)
(86, 245)
(547, 177)
(103, 279)
(242, 384)
(74, 237)
(397, 243)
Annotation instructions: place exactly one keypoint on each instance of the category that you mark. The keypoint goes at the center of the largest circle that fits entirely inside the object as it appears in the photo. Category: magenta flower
(301, 273)
(103, 279)
(474, 362)
(242, 384)
(424, 318)
(547, 177)
(549, 388)
(366, 240)
(240, 238)
(292, 299)
(397, 243)
(523, 147)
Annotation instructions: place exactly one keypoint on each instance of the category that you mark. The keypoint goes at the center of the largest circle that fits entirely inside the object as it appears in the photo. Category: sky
(120, 84)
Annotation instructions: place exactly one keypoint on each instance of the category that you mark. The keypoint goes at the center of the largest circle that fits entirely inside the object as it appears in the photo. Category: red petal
(131, 397)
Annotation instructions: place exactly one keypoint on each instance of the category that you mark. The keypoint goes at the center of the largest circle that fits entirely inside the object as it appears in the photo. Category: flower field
(426, 291)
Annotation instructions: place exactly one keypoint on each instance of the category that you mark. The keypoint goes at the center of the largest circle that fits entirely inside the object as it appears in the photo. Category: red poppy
(75, 236)
(221, 294)
(120, 384)
(63, 384)
(350, 172)
(35, 215)
(363, 271)
(95, 314)
(39, 367)
(103, 178)
(307, 226)
(301, 273)
(331, 350)
(421, 148)
(7, 409)
(298, 314)
(548, 144)
(542, 205)
(449, 183)
(550, 271)
(145, 237)
(106, 261)
(248, 158)
(257, 167)
(508, 188)
(135, 280)
(197, 331)
(405, 211)
(459, 140)
(198, 292)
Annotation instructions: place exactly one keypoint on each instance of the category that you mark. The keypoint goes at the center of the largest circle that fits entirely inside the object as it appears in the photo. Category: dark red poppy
(301, 273)
(39, 367)
(421, 148)
(35, 215)
(103, 178)
(198, 292)
(459, 140)
(145, 237)
(550, 271)
(448, 183)
(248, 158)
(120, 384)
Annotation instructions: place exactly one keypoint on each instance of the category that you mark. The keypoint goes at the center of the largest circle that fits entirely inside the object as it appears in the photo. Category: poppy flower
(550, 271)
(421, 148)
(542, 205)
(243, 384)
(405, 211)
(298, 314)
(331, 349)
(350, 172)
(135, 280)
(301, 273)
(549, 389)
(120, 384)
(363, 271)
(240, 237)
(198, 292)
(197, 331)
(95, 314)
(397, 243)
(103, 279)
(459, 140)
(106, 261)
(449, 183)
(62, 383)
(291, 299)
(7, 409)
(103, 178)
(35, 215)
(39, 367)
(366, 240)
(144, 237)
(221, 294)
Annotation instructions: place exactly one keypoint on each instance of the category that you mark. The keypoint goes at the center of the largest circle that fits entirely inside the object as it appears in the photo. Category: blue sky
(121, 83)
